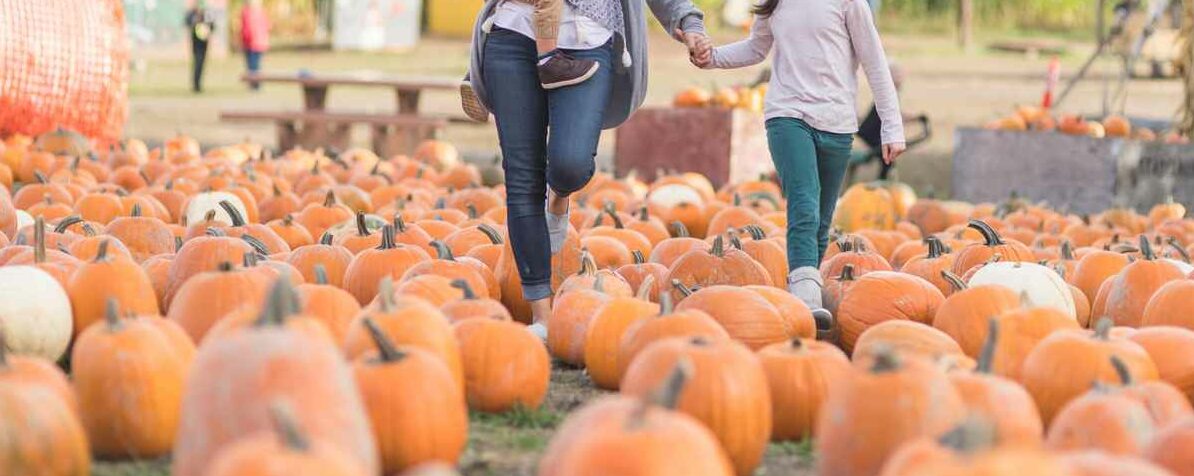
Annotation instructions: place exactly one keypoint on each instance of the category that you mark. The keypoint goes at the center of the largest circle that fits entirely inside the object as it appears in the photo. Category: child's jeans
(811, 165)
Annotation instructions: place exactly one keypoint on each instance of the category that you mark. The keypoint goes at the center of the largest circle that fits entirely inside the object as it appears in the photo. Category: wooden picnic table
(315, 86)
(315, 126)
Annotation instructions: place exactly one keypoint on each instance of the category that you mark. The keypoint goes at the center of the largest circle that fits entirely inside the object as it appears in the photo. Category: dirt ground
(954, 88)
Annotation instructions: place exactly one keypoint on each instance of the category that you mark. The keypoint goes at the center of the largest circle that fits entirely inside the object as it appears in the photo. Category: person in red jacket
(254, 35)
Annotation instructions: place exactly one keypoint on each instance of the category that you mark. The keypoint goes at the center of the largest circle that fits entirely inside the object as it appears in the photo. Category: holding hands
(700, 48)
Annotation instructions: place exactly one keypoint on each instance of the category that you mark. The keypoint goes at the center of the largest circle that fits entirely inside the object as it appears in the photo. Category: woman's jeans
(811, 165)
(253, 64)
(548, 138)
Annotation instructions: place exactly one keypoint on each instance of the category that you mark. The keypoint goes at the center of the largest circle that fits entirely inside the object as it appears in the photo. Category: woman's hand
(700, 47)
(892, 151)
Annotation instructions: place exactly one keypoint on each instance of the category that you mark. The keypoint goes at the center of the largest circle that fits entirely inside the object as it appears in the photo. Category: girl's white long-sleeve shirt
(819, 45)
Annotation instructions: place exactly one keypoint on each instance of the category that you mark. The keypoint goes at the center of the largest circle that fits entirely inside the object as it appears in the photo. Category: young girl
(811, 114)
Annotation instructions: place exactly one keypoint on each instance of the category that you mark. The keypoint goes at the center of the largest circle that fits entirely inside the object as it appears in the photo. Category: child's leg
(547, 24)
(833, 157)
(794, 151)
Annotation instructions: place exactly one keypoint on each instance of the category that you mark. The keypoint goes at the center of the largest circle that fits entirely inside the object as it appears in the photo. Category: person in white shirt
(811, 114)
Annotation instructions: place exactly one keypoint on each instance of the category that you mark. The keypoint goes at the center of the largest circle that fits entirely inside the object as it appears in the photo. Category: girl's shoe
(805, 283)
(471, 103)
(557, 228)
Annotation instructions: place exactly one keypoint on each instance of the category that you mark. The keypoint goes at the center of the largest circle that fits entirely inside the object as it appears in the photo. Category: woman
(200, 26)
(811, 114)
(545, 171)
(254, 32)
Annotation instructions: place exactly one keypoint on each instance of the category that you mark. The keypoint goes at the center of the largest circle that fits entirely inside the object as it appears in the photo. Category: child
(811, 114)
(556, 68)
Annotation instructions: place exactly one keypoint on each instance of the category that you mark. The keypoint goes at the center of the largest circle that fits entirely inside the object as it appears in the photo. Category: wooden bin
(726, 145)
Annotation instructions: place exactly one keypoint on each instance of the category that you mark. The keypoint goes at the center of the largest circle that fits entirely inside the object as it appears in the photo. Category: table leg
(315, 97)
(286, 135)
(408, 101)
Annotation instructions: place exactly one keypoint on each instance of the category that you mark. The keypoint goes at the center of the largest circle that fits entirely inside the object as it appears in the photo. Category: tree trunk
(965, 24)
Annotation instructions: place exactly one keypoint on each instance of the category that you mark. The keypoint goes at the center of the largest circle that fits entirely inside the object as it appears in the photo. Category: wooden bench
(392, 133)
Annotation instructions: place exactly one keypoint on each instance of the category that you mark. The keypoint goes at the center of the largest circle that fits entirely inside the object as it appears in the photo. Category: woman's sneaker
(805, 283)
(471, 103)
(558, 70)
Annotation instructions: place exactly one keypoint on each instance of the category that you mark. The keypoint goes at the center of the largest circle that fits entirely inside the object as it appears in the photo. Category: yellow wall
(452, 17)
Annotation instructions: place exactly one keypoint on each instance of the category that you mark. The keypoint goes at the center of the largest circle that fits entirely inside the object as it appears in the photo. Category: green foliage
(1019, 14)
(521, 417)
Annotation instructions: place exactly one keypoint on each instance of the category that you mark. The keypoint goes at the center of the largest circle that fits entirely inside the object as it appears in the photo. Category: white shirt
(819, 45)
(577, 32)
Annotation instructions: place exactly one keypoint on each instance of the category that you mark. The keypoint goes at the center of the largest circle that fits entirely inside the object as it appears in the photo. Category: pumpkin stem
(399, 223)
(1122, 371)
(233, 213)
(679, 230)
(990, 236)
(666, 305)
(40, 177)
(257, 245)
(177, 243)
(442, 251)
(666, 396)
(588, 267)
(250, 259)
(321, 274)
(385, 346)
(471, 211)
(638, 256)
(281, 303)
(844, 244)
(886, 360)
(67, 222)
(684, 290)
(282, 416)
(385, 294)
(734, 240)
(1185, 255)
(954, 281)
(88, 230)
(225, 266)
(136, 212)
(1103, 328)
(387, 238)
(112, 315)
(1146, 249)
(362, 227)
(464, 287)
(755, 231)
(935, 245)
(986, 358)
(643, 214)
(645, 288)
(796, 344)
(719, 247)
(491, 233)
(1067, 251)
(101, 252)
(847, 273)
(329, 200)
(599, 283)
(968, 437)
(325, 239)
(39, 240)
(613, 215)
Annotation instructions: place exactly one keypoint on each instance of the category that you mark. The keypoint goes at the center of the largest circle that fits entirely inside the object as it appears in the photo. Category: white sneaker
(539, 330)
(805, 283)
(557, 228)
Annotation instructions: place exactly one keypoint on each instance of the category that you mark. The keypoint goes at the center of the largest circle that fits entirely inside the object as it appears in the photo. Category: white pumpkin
(35, 313)
(201, 203)
(1038, 285)
(1186, 268)
(673, 194)
(24, 219)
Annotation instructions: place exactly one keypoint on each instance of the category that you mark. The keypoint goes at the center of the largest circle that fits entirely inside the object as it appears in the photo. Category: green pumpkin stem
(613, 215)
(442, 251)
(684, 290)
(936, 247)
(679, 230)
(112, 315)
(399, 223)
(1146, 249)
(954, 281)
(1122, 371)
(67, 222)
(362, 226)
(886, 360)
(389, 353)
(39, 240)
(847, 273)
(286, 425)
(321, 274)
(233, 213)
(588, 267)
(1067, 251)
(281, 303)
(464, 288)
(719, 247)
(326, 239)
(645, 288)
(986, 357)
(329, 200)
(387, 238)
(638, 257)
(1103, 328)
(990, 236)
(101, 252)
(385, 295)
(1177, 247)
(666, 305)
(136, 212)
(491, 233)
(177, 243)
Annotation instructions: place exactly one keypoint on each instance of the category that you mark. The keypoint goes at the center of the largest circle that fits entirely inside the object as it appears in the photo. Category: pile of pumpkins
(1031, 118)
(341, 315)
(740, 97)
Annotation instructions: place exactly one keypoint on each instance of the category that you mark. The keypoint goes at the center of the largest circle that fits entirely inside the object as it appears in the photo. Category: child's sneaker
(471, 103)
(559, 70)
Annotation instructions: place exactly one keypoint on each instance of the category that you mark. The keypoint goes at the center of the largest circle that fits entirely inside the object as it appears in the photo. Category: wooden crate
(724, 145)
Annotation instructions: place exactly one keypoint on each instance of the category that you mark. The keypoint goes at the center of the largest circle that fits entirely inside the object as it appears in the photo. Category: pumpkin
(907, 338)
(799, 374)
(472, 306)
(1170, 305)
(668, 251)
(728, 392)
(865, 206)
(964, 314)
(1099, 463)
(35, 313)
(612, 283)
(563, 264)
(1103, 420)
(142, 236)
(28, 371)
(882, 296)
(203, 254)
(1170, 349)
(236, 379)
(42, 434)
(857, 433)
(504, 365)
(369, 267)
(198, 206)
(104, 278)
(287, 449)
(1168, 448)
(718, 266)
(976, 254)
(637, 273)
(692, 97)
(332, 258)
(1021, 329)
(407, 321)
(854, 253)
(333, 306)
(319, 217)
(1001, 402)
(413, 424)
(446, 265)
(1065, 365)
(143, 359)
(798, 319)
(205, 299)
(930, 265)
(603, 337)
(769, 253)
(835, 289)
(1129, 291)
(649, 436)
(1037, 286)
(568, 324)
(747, 316)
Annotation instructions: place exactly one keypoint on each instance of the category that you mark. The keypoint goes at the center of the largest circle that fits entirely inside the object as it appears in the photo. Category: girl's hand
(892, 151)
(700, 47)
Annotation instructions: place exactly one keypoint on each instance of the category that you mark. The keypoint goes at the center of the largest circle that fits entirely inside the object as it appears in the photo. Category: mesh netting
(63, 63)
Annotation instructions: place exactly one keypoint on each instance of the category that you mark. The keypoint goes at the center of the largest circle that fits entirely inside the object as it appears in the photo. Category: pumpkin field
(228, 311)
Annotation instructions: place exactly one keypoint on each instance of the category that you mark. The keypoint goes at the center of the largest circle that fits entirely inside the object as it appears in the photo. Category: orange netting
(63, 63)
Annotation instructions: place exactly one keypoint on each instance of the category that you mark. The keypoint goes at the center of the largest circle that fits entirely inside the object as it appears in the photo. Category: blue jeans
(548, 138)
(811, 165)
(253, 63)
